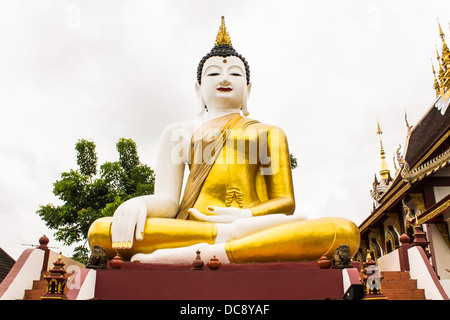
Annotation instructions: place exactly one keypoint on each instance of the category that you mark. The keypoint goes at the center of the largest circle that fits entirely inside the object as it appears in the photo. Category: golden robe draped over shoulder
(212, 135)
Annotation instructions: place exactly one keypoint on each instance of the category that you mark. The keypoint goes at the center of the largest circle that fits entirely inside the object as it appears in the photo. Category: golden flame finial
(437, 86)
(379, 132)
(445, 50)
(384, 170)
(379, 129)
(223, 37)
(441, 33)
(444, 64)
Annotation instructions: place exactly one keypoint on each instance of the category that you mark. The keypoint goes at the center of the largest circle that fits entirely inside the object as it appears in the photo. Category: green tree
(293, 162)
(87, 196)
(86, 157)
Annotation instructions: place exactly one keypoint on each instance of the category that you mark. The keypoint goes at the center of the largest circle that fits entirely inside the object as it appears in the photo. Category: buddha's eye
(236, 74)
(212, 74)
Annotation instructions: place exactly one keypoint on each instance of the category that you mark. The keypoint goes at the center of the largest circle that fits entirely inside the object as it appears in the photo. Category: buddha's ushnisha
(238, 202)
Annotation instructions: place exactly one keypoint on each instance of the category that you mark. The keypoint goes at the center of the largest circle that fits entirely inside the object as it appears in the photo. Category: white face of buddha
(224, 84)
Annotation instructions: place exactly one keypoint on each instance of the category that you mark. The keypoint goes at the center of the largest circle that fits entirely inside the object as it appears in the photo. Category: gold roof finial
(441, 33)
(406, 121)
(223, 37)
(379, 129)
(444, 61)
(437, 86)
(441, 72)
(368, 256)
(445, 51)
(384, 170)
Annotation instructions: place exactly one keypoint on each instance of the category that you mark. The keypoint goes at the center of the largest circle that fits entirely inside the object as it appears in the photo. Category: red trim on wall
(432, 273)
(15, 270)
(72, 294)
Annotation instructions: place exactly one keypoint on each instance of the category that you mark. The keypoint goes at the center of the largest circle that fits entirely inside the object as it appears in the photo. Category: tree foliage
(86, 157)
(293, 161)
(88, 194)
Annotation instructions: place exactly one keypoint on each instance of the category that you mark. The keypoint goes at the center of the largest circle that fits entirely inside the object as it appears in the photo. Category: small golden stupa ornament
(56, 281)
(384, 170)
(223, 37)
(372, 278)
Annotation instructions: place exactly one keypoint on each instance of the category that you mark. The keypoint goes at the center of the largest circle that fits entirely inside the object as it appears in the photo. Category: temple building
(415, 200)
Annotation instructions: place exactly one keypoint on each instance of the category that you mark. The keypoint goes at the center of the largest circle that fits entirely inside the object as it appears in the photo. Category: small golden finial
(379, 132)
(445, 50)
(437, 86)
(444, 63)
(441, 72)
(395, 165)
(223, 37)
(441, 33)
(406, 121)
(379, 129)
(384, 170)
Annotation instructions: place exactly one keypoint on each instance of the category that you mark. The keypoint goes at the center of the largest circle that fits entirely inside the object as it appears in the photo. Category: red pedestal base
(255, 281)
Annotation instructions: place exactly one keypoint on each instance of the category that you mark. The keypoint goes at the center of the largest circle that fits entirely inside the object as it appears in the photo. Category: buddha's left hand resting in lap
(238, 202)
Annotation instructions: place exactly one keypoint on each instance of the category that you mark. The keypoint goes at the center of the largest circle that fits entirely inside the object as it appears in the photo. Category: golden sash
(199, 170)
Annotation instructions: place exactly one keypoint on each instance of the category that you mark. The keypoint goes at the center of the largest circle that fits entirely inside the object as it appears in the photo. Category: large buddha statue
(238, 201)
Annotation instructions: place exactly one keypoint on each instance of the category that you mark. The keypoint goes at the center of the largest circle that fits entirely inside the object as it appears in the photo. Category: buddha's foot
(184, 255)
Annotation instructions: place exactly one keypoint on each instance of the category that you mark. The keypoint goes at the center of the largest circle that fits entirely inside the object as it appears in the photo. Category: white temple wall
(441, 253)
(441, 192)
(389, 262)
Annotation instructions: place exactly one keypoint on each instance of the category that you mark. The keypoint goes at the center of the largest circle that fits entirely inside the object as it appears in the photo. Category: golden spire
(441, 70)
(441, 33)
(223, 37)
(437, 86)
(384, 170)
(444, 62)
(445, 50)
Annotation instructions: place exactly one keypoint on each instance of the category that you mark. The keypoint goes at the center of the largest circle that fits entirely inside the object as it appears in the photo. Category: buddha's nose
(224, 80)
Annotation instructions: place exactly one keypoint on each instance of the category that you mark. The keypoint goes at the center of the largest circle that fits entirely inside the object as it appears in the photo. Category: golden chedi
(238, 202)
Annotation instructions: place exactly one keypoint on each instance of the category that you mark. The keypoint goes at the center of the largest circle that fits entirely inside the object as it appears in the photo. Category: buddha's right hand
(130, 217)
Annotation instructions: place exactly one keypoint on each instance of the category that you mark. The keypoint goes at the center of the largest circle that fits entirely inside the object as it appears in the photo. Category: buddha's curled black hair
(222, 50)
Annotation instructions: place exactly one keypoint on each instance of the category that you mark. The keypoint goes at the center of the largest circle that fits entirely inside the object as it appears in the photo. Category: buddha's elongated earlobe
(201, 101)
(244, 102)
(244, 109)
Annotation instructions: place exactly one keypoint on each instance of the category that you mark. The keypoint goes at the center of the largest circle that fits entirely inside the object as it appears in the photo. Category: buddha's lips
(224, 89)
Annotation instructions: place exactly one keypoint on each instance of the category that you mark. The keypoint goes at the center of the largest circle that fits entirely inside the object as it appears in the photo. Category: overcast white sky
(101, 70)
